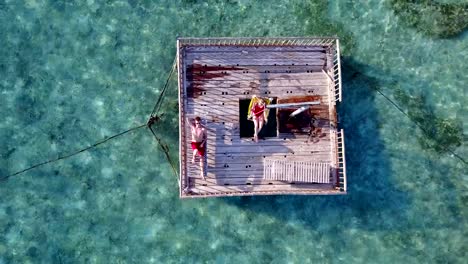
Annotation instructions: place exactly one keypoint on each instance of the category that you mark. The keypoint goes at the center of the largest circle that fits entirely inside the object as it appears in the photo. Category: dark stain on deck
(198, 74)
(301, 122)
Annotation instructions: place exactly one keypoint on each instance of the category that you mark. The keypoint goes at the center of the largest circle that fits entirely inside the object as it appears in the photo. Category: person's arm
(204, 137)
(191, 123)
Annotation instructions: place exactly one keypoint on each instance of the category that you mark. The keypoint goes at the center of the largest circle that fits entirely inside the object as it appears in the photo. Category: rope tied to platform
(73, 153)
(157, 106)
(155, 117)
(152, 120)
(445, 148)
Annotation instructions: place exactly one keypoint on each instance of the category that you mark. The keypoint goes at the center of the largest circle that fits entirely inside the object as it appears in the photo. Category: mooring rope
(155, 117)
(165, 148)
(152, 119)
(445, 148)
(157, 106)
(73, 153)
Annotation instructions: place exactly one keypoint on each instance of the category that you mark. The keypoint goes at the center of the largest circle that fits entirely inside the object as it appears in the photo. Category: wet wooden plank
(246, 63)
(291, 147)
(201, 194)
(220, 160)
(255, 54)
(218, 94)
(230, 112)
(264, 188)
(243, 181)
(299, 155)
(279, 48)
(226, 94)
(226, 121)
(253, 73)
(215, 116)
(202, 72)
(255, 174)
(269, 142)
(256, 83)
(253, 80)
(254, 167)
(231, 136)
(216, 103)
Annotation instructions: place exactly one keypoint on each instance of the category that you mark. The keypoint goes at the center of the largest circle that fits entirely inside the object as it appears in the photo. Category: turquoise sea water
(74, 72)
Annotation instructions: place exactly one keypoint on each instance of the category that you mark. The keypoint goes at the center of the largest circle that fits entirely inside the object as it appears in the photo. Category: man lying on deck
(199, 143)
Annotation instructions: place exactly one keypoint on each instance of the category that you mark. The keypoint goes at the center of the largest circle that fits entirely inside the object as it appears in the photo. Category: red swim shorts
(199, 147)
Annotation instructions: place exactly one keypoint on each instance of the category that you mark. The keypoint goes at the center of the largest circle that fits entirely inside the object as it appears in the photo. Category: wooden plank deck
(213, 81)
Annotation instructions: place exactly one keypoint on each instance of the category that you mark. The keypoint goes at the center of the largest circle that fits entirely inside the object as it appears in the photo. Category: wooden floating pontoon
(216, 75)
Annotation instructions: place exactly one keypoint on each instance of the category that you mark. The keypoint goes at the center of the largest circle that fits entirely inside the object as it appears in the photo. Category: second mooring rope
(73, 153)
(445, 148)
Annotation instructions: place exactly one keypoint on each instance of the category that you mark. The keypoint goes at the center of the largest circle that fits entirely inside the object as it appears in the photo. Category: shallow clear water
(72, 74)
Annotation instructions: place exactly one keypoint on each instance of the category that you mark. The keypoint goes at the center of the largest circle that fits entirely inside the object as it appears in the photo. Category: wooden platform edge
(182, 44)
(256, 193)
(182, 147)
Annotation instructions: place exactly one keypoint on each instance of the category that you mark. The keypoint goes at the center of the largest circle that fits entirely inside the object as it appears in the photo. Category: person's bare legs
(195, 151)
(202, 167)
(255, 120)
(260, 125)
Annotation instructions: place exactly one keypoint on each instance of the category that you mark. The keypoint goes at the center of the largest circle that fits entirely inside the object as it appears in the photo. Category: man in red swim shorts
(199, 143)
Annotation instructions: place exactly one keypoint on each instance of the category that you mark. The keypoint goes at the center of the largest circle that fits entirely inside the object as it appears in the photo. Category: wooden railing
(341, 160)
(336, 71)
(183, 181)
(261, 41)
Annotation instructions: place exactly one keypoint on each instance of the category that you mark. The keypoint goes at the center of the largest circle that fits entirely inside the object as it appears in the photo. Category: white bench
(296, 171)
